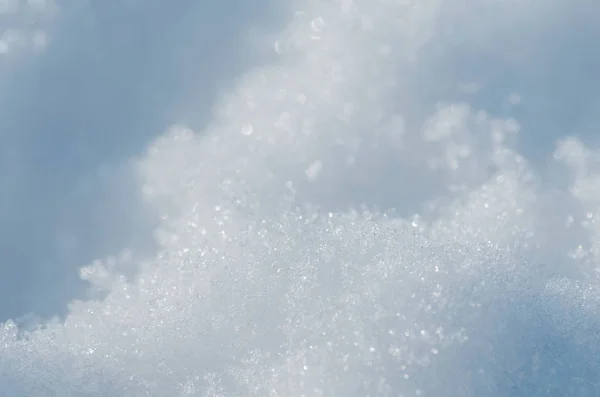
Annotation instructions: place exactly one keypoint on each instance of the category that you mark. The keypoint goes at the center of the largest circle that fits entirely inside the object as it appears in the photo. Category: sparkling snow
(353, 221)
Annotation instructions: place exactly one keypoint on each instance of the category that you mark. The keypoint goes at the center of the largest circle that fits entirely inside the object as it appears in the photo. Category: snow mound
(335, 232)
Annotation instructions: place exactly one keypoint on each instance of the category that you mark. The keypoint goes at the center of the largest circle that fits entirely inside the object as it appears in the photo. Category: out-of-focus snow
(344, 227)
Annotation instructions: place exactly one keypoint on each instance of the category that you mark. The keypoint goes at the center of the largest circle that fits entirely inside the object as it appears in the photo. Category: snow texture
(342, 228)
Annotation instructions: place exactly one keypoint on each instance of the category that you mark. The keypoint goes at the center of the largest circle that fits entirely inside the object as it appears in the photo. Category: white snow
(438, 262)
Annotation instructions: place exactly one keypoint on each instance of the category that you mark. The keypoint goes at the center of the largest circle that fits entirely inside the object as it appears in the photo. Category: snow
(356, 239)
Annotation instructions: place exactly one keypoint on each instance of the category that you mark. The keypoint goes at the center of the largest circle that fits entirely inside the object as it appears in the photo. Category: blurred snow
(359, 217)
(73, 116)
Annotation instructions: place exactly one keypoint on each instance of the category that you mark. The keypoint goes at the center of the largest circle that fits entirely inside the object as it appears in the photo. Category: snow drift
(347, 225)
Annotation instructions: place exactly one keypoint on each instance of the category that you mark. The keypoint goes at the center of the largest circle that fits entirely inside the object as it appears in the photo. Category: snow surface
(351, 222)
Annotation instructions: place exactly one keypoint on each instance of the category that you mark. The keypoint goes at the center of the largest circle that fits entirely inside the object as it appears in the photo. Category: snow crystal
(437, 262)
